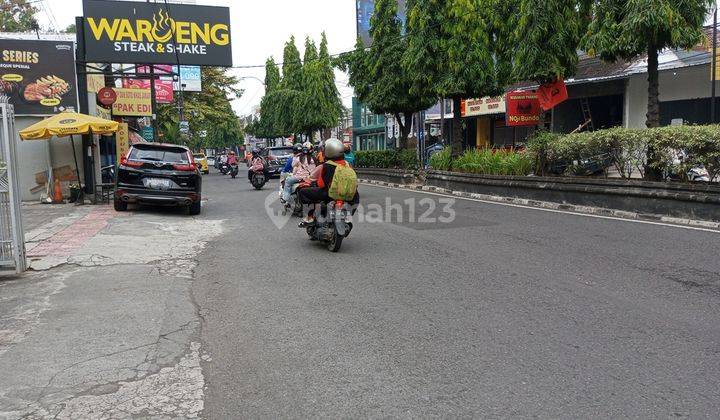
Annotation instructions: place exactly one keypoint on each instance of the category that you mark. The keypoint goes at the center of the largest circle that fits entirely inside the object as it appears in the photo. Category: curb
(597, 211)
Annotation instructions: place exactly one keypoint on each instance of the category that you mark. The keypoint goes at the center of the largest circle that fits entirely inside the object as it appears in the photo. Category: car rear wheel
(120, 205)
(194, 208)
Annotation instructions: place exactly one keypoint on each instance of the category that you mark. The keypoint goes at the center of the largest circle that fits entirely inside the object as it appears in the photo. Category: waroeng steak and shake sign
(154, 33)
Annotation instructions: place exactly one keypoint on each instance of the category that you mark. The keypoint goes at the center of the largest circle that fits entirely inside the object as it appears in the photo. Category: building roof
(592, 69)
(33, 36)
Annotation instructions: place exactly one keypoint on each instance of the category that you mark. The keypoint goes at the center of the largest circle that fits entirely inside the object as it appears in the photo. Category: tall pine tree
(450, 51)
(390, 86)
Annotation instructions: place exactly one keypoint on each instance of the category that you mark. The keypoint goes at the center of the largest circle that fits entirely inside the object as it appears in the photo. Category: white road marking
(596, 216)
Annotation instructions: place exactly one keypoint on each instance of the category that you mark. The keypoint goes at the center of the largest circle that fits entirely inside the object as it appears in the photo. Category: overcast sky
(259, 29)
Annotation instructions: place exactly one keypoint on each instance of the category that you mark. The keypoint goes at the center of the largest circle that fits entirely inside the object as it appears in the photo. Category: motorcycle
(258, 178)
(332, 226)
(682, 169)
(294, 204)
(224, 168)
(233, 170)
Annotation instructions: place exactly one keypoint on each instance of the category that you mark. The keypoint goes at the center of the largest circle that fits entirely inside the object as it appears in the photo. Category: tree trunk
(404, 130)
(653, 173)
(407, 127)
(457, 138)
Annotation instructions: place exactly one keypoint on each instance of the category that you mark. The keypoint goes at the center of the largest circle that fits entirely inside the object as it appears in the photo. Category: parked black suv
(161, 174)
(277, 157)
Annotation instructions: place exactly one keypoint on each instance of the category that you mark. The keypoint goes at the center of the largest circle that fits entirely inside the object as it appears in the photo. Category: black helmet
(297, 148)
(255, 151)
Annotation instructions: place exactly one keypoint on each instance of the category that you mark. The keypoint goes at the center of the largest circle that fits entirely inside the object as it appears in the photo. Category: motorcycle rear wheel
(336, 242)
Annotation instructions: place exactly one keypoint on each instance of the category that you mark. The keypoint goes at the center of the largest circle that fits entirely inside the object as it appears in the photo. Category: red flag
(552, 94)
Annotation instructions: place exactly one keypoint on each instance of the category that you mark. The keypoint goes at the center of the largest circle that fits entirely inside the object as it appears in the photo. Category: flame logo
(163, 26)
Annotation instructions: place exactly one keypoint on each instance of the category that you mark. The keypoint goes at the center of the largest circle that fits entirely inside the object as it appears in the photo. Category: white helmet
(334, 149)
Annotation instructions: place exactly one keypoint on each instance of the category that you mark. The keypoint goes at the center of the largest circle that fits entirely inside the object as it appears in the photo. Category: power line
(402, 37)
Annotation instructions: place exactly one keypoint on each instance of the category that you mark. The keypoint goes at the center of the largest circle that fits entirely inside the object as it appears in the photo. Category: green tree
(269, 125)
(292, 74)
(70, 29)
(333, 107)
(17, 16)
(378, 74)
(624, 29)
(450, 51)
(547, 36)
(213, 122)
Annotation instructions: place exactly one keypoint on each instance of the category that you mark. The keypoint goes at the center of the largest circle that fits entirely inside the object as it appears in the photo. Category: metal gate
(12, 238)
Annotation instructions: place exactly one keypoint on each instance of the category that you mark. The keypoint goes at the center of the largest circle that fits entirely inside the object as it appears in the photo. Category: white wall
(686, 83)
(33, 156)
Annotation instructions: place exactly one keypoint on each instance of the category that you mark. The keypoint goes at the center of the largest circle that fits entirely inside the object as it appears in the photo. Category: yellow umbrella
(68, 124)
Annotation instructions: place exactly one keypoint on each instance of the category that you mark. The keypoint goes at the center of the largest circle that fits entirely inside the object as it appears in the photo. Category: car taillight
(124, 161)
(191, 166)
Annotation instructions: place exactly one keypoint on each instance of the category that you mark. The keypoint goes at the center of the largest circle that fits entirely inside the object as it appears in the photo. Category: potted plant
(75, 192)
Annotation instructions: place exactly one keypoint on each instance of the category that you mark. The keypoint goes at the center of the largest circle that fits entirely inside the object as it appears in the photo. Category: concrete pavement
(498, 312)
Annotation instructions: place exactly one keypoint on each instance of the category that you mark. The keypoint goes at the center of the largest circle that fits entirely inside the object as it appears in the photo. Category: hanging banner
(95, 82)
(122, 141)
(38, 76)
(164, 93)
(552, 94)
(483, 106)
(154, 33)
(132, 103)
(523, 108)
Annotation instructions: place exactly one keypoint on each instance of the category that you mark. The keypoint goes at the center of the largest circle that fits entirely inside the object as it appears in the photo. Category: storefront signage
(139, 32)
(163, 84)
(190, 77)
(107, 96)
(132, 103)
(523, 108)
(122, 141)
(38, 76)
(483, 106)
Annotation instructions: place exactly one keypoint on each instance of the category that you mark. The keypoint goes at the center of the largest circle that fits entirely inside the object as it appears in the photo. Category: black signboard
(153, 33)
(38, 76)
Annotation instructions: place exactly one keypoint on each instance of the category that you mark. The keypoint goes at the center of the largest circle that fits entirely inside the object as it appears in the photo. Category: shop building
(604, 95)
(368, 129)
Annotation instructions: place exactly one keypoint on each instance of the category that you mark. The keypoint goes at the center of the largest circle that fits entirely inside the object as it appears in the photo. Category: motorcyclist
(232, 158)
(349, 154)
(324, 176)
(320, 153)
(257, 163)
(288, 168)
(303, 165)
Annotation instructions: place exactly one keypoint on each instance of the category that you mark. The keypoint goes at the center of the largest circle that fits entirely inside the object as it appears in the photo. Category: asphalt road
(503, 312)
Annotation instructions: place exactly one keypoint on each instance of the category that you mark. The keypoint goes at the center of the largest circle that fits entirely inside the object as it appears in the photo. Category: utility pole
(713, 118)
(442, 121)
(153, 103)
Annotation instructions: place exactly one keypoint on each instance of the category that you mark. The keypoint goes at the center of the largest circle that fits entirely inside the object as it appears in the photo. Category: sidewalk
(103, 324)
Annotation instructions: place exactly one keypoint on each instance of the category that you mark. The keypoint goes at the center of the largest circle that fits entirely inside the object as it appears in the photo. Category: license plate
(157, 183)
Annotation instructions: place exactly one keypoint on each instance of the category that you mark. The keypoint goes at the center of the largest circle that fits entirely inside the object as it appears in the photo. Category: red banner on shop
(164, 92)
(552, 94)
(523, 108)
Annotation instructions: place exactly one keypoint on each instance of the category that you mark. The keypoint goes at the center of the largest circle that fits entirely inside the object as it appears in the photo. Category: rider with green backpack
(336, 181)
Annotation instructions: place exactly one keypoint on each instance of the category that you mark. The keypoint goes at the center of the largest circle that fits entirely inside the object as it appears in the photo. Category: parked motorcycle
(332, 226)
(695, 172)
